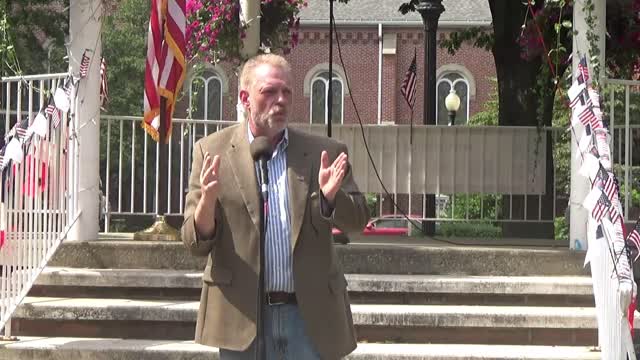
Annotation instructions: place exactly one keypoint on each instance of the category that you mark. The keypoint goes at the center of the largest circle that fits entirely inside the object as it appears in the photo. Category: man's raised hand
(330, 175)
(209, 177)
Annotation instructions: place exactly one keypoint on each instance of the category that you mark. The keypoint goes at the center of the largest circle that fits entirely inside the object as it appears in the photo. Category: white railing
(37, 192)
(623, 97)
(129, 170)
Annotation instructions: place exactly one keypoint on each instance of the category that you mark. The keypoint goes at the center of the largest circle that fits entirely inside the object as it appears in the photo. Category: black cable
(364, 139)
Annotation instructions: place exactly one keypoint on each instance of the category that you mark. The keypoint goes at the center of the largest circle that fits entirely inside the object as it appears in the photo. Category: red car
(396, 225)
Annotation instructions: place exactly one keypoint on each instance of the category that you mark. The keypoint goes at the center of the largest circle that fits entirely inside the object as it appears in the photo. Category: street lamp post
(452, 103)
(430, 11)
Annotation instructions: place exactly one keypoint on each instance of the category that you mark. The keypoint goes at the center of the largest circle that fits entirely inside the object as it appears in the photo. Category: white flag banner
(39, 126)
(14, 151)
(575, 90)
(590, 166)
(593, 250)
(585, 141)
(608, 229)
(575, 120)
(61, 99)
(592, 198)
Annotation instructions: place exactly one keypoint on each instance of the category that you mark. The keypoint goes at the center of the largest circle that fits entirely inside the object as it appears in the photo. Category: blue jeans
(285, 337)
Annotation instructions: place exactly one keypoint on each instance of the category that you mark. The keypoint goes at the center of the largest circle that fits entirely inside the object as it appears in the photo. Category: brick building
(377, 44)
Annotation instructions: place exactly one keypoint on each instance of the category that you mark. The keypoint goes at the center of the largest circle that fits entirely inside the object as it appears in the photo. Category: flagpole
(161, 230)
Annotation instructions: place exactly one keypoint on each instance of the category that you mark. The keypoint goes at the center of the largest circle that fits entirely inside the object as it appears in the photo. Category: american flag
(633, 239)
(600, 209)
(21, 129)
(68, 85)
(54, 113)
(166, 65)
(408, 88)
(607, 183)
(84, 65)
(587, 117)
(104, 90)
(577, 95)
(583, 69)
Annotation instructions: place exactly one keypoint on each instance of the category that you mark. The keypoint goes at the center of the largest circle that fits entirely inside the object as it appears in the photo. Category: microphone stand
(264, 202)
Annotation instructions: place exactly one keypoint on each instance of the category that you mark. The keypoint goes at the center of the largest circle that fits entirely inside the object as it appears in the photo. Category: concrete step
(355, 258)
(106, 349)
(363, 288)
(131, 318)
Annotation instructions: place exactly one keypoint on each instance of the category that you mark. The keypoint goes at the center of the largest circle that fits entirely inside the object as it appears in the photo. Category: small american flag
(104, 90)
(583, 69)
(602, 206)
(84, 65)
(21, 129)
(633, 239)
(54, 114)
(607, 184)
(49, 109)
(56, 117)
(587, 117)
(408, 88)
(68, 85)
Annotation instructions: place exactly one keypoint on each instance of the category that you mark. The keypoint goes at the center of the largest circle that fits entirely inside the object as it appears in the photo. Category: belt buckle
(274, 302)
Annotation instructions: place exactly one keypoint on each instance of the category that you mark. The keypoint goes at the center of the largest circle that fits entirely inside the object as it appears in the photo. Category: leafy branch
(477, 36)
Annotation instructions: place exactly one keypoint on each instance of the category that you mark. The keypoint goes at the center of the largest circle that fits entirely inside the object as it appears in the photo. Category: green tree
(124, 44)
(32, 36)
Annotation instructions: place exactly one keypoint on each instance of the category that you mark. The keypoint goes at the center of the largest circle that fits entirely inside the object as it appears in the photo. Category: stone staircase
(112, 299)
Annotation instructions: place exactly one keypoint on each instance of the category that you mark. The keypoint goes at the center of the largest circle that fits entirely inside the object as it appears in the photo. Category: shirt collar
(282, 144)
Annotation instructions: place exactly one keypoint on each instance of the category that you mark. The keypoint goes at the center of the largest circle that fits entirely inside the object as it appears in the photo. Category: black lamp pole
(330, 85)
(430, 11)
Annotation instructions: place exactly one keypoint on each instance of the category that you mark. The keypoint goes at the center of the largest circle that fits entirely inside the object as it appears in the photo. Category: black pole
(452, 118)
(430, 11)
(162, 159)
(330, 87)
(260, 343)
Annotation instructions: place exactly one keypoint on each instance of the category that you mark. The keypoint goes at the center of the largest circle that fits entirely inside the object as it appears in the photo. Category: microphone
(261, 152)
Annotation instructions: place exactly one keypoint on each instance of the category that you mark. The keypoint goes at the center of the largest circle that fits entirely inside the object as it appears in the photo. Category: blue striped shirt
(278, 260)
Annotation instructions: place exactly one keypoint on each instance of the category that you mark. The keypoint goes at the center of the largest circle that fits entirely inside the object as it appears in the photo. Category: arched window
(319, 113)
(205, 96)
(457, 82)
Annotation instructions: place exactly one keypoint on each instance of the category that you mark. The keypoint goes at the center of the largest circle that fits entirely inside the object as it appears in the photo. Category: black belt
(281, 298)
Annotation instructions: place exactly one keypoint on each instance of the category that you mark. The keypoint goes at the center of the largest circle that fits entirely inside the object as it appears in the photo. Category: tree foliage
(531, 43)
(32, 36)
(124, 44)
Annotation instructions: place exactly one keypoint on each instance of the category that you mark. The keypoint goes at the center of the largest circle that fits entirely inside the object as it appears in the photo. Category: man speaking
(305, 307)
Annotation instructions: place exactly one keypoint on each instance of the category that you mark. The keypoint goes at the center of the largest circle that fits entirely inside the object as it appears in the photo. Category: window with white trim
(457, 82)
(319, 113)
(205, 96)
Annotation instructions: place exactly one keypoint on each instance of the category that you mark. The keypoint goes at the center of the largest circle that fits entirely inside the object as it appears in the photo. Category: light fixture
(452, 103)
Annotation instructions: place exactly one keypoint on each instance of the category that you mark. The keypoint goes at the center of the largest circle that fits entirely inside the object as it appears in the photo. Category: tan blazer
(227, 313)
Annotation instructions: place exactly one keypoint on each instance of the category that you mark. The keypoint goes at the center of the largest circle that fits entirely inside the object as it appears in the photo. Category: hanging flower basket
(214, 31)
